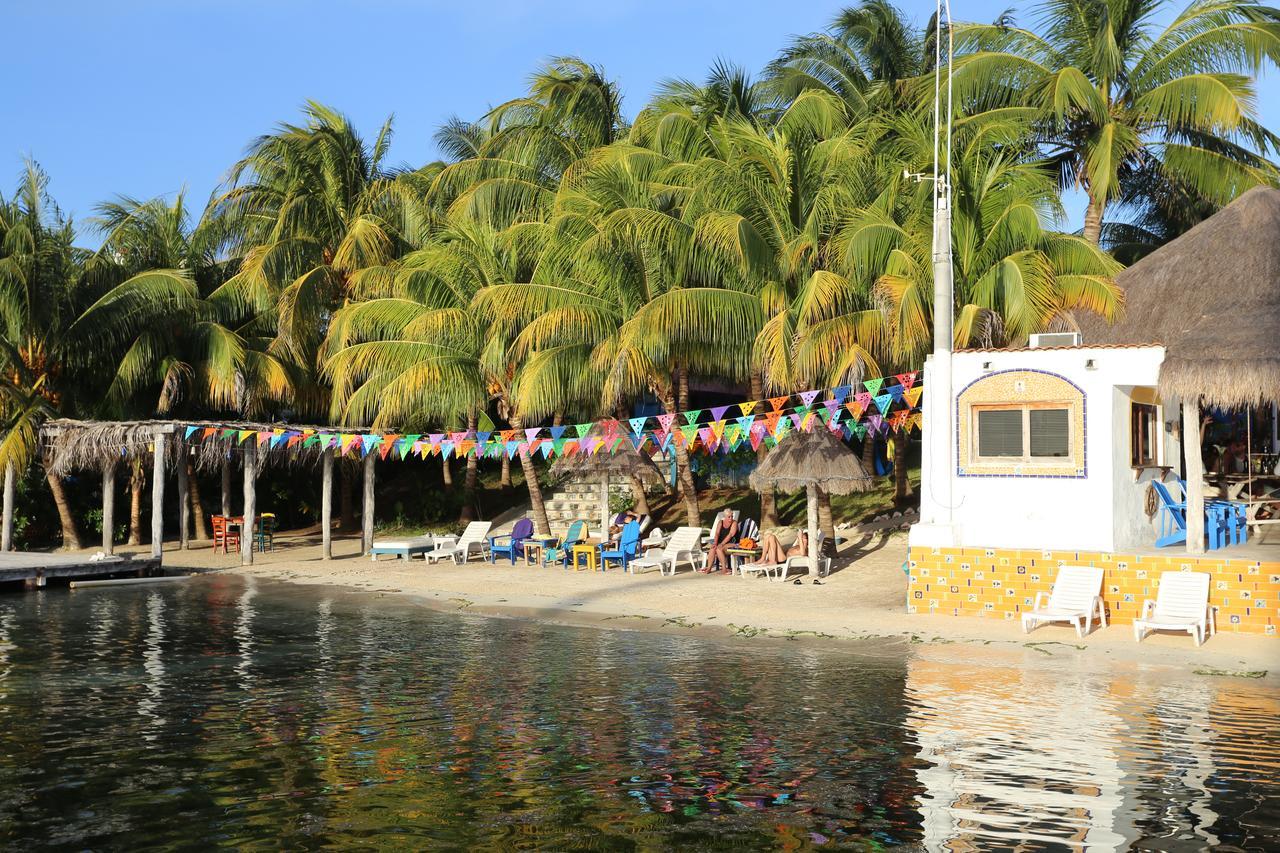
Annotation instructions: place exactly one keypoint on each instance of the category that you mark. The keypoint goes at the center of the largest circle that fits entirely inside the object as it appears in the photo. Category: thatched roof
(816, 457)
(91, 445)
(1212, 297)
(624, 461)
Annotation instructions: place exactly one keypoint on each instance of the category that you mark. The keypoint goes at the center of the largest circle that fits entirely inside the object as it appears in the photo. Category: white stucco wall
(1097, 512)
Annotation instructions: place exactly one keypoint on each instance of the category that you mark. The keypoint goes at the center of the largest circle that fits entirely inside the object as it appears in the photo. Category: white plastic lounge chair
(799, 562)
(682, 547)
(405, 548)
(1182, 604)
(655, 539)
(1075, 598)
(474, 539)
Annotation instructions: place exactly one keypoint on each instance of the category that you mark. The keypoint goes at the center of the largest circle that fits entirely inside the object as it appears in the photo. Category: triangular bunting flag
(637, 425)
(666, 420)
(717, 412)
(556, 432)
(582, 429)
(689, 432)
(531, 433)
(840, 392)
(912, 396)
(778, 402)
(906, 380)
(808, 397)
(884, 402)
(189, 431)
(873, 386)
(691, 417)
(747, 408)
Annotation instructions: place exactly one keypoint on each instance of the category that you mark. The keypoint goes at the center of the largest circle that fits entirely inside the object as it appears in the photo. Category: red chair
(223, 538)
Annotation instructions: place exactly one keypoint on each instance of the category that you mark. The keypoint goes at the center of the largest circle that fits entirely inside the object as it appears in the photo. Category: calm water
(223, 713)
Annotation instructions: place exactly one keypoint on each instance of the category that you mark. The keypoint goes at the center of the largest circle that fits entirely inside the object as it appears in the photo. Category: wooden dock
(34, 568)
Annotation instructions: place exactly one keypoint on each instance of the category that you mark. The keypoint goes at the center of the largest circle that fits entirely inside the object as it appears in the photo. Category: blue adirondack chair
(509, 545)
(1173, 518)
(625, 550)
(577, 532)
(1224, 520)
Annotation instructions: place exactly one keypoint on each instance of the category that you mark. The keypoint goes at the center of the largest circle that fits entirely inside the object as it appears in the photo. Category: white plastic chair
(475, 537)
(1182, 604)
(1076, 597)
(680, 548)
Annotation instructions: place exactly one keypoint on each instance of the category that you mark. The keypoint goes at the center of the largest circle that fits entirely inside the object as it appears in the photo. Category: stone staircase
(576, 500)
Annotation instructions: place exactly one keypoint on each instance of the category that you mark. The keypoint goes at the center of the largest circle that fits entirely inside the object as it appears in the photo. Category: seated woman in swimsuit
(726, 536)
(771, 552)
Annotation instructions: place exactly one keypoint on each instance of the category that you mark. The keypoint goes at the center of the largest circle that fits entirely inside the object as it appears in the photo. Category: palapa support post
(184, 496)
(366, 516)
(250, 502)
(109, 507)
(326, 504)
(226, 484)
(811, 499)
(6, 534)
(1194, 465)
(157, 494)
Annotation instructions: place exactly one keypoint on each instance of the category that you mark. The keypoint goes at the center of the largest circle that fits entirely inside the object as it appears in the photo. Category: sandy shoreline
(863, 600)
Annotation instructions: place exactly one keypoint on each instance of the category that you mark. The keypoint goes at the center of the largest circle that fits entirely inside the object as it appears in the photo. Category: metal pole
(157, 495)
(109, 507)
(326, 504)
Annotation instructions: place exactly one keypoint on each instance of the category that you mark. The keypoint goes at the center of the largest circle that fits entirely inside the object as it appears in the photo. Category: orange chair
(224, 539)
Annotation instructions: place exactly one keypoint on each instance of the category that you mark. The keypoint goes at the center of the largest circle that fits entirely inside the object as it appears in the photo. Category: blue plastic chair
(625, 550)
(560, 553)
(1173, 518)
(1224, 520)
(509, 545)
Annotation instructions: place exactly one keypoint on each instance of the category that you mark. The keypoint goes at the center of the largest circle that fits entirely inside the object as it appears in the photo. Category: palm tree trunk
(901, 482)
(347, 496)
(197, 505)
(688, 489)
(869, 453)
(1093, 219)
(505, 480)
(537, 508)
(446, 474)
(70, 535)
(826, 523)
(137, 482)
(768, 500)
(468, 513)
(640, 499)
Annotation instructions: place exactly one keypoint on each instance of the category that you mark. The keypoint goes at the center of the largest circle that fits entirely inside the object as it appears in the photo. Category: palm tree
(1112, 95)
(56, 326)
(425, 351)
(204, 356)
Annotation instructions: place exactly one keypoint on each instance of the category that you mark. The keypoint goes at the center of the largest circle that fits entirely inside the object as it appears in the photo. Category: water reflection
(251, 714)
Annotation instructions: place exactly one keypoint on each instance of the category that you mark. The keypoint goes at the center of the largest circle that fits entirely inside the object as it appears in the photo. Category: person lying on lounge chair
(771, 553)
(620, 521)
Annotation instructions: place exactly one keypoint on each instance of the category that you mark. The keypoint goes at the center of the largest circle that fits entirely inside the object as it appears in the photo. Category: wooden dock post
(366, 518)
(109, 507)
(326, 504)
(250, 500)
(6, 536)
(184, 497)
(157, 494)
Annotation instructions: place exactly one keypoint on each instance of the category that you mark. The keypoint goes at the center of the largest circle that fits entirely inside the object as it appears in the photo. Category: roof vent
(1055, 339)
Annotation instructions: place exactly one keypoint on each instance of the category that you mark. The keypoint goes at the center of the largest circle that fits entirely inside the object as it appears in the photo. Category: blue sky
(145, 96)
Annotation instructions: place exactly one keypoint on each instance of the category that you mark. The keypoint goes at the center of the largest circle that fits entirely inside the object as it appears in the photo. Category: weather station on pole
(936, 527)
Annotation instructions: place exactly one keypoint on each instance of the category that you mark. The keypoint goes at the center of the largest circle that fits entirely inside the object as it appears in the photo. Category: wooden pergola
(101, 445)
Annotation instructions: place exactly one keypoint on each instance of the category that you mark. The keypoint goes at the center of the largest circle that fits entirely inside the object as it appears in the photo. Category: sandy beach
(863, 598)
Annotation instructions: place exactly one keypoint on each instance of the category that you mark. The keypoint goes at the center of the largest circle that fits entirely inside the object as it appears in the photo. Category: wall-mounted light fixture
(1090, 364)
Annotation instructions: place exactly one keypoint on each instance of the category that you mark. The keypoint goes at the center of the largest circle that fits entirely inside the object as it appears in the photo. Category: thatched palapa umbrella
(809, 461)
(623, 461)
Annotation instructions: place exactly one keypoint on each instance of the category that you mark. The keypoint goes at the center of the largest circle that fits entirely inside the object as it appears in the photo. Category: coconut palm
(1111, 94)
(55, 326)
(424, 352)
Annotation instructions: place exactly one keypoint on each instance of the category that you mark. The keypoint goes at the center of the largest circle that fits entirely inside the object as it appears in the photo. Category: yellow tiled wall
(1001, 583)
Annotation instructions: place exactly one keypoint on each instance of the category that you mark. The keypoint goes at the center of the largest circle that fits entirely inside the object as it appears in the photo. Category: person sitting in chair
(724, 537)
(771, 553)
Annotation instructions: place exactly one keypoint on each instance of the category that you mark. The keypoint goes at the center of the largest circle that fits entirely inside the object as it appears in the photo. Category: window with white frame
(1027, 434)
